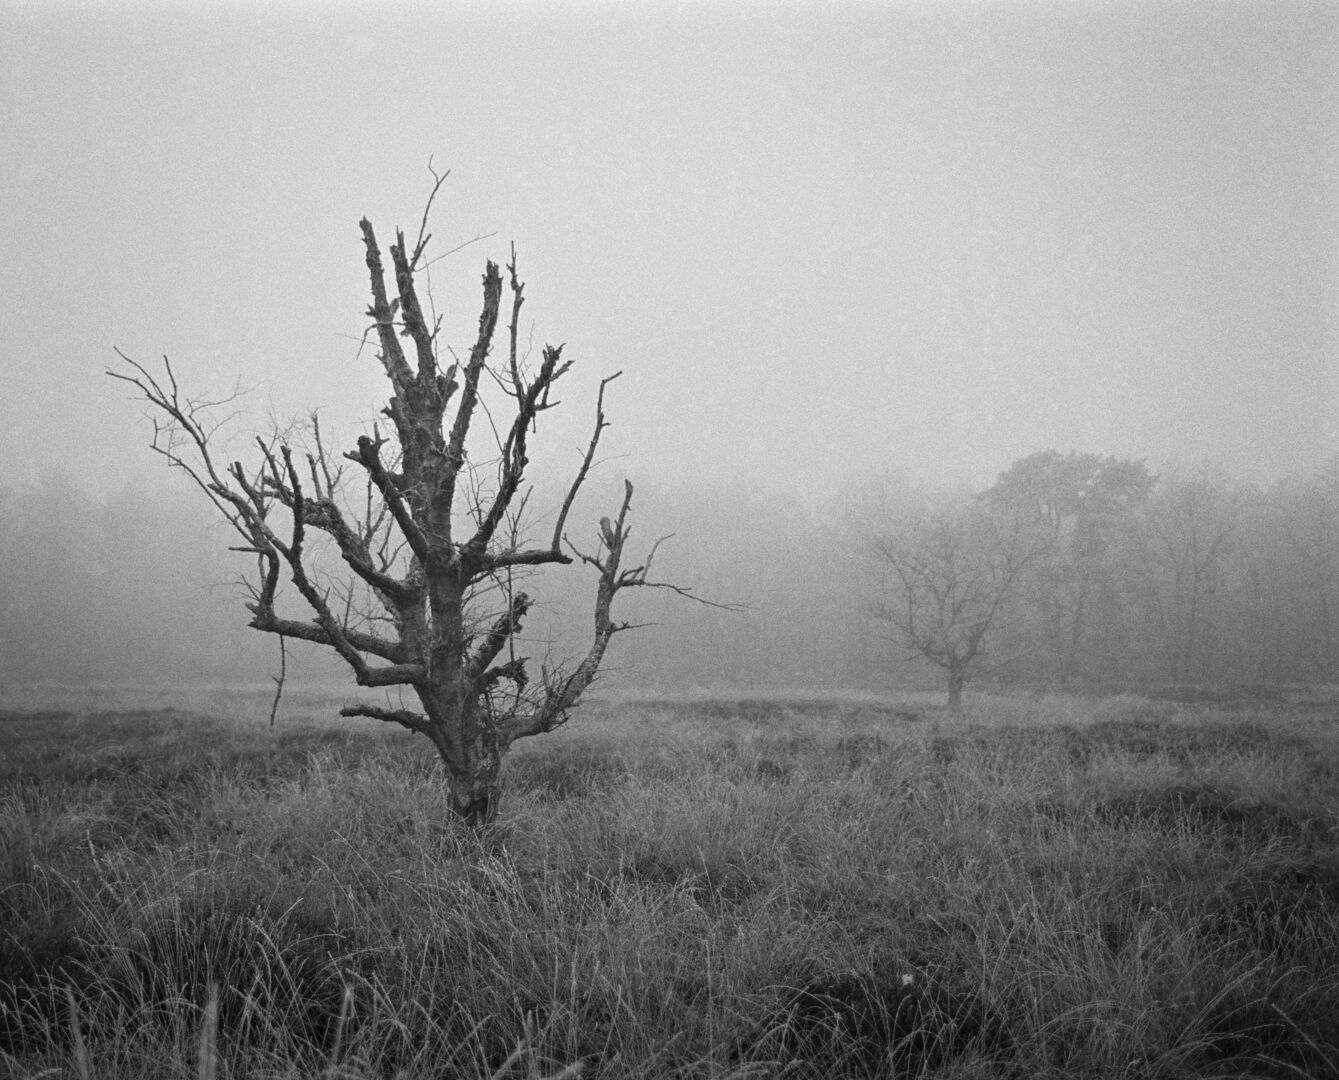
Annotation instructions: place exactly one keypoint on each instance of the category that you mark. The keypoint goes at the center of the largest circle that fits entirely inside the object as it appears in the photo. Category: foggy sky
(818, 238)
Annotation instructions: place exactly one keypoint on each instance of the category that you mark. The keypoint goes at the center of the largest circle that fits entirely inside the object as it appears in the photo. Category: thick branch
(507, 625)
(400, 671)
(517, 299)
(410, 310)
(513, 669)
(368, 456)
(383, 314)
(487, 562)
(404, 717)
(469, 396)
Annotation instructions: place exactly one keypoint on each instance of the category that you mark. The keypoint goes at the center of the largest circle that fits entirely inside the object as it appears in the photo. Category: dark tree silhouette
(431, 545)
(1083, 500)
(1191, 524)
(953, 571)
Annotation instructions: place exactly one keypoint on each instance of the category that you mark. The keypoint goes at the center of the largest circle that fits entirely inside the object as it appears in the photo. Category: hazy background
(825, 242)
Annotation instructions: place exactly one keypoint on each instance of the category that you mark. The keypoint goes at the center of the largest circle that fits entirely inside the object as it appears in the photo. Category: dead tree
(431, 546)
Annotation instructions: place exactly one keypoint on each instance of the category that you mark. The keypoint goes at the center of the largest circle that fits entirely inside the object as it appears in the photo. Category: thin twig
(279, 679)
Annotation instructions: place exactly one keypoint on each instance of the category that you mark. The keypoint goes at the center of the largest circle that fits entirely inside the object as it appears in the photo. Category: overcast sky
(819, 239)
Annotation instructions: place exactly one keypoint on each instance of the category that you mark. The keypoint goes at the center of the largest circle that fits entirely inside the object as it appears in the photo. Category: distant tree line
(115, 589)
(1099, 574)
(1147, 578)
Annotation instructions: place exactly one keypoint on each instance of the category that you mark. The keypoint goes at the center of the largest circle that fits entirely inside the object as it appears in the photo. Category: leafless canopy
(953, 572)
(433, 548)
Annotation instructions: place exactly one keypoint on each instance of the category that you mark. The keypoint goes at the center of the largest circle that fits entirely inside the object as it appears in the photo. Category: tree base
(479, 810)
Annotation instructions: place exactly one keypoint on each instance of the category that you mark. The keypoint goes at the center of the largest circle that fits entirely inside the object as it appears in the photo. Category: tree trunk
(470, 750)
(1069, 675)
(475, 788)
(957, 678)
(475, 798)
(1192, 632)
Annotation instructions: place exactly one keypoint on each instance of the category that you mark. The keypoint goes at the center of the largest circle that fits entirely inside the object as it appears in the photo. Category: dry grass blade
(206, 1061)
(82, 1067)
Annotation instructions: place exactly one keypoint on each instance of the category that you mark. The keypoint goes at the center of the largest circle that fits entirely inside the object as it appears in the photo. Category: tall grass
(1052, 888)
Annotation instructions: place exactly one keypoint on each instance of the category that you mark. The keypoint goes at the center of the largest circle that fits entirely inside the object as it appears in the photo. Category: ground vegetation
(1051, 887)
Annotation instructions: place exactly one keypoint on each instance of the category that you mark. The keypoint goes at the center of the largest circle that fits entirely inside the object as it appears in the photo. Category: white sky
(819, 238)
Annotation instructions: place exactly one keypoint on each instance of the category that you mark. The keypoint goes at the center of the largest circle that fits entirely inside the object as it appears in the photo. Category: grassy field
(1051, 887)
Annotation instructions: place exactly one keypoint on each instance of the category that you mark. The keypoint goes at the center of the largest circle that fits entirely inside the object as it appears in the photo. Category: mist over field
(847, 259)
(138, 587)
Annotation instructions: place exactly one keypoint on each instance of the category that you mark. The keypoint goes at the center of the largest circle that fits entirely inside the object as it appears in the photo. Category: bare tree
(1085, 501)
(1290, 537)
(954, 569)
(1191, 521)
(431, 545)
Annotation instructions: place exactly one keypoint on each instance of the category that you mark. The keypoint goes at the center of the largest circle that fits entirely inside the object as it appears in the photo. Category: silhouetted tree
(953, 570)
(1308, 513)
(1189, 523)
(433, 545)
(1084, 500)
